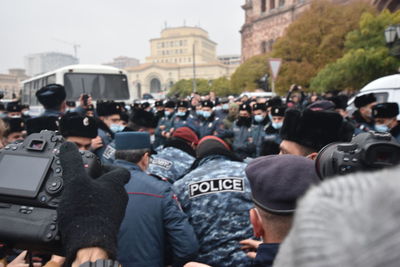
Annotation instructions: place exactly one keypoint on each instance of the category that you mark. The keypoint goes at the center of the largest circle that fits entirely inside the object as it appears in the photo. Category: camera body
(366, 151)
(31, 185)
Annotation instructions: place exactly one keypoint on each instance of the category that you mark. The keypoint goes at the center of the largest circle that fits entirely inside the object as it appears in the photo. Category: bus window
(99, 86)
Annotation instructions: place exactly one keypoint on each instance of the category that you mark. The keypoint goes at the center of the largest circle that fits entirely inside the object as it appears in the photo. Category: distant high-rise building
(123, 62)
(231, 60)
(43, 62)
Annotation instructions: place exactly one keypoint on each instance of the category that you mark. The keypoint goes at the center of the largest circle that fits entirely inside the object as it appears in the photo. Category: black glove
(90, 211)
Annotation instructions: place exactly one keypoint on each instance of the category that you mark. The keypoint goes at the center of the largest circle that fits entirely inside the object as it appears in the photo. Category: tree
(367, 57)
(221, 86)
(315, 39)
(185, 87)
(248, 74)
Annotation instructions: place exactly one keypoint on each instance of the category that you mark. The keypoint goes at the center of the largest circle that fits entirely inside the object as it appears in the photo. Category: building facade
(179, 53)
(9, 83)
(36, 64)
(266, 20)
(123, 62)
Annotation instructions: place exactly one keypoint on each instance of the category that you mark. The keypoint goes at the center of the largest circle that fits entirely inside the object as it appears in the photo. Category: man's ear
(255, 220)
(313, 155)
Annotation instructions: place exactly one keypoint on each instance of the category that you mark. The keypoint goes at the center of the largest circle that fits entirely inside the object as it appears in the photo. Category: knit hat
(186, 134)
(350, 221)
(210, 144)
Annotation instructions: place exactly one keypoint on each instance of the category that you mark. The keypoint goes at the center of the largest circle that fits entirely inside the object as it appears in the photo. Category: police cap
(278, 181)
(245, 107)
(132, 140)
(74, 124)
(183, 104)
(278, 111)
(207, 103)
(14, 125)
(259, 106)
(51, 95)
(36, 125)
(108, 108)
(170, 104)
(385, 110)
(159, 103)
(14, 107)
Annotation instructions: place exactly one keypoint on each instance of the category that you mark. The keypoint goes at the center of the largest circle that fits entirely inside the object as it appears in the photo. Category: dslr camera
(31, 185)
(366, 151)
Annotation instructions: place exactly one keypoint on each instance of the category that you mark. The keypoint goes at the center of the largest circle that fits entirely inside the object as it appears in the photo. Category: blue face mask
(199, 112)
(116, 128)
(206, 114)
(383, 128)
(218, 108)
(167, 113)
(180, 113)
(225, 106)
(277, 125)
(259, 118)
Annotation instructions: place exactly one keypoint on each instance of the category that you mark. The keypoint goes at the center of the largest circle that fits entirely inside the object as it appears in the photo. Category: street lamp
(392, 37)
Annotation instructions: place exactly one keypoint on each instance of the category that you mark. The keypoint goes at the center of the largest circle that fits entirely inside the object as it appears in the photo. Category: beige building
(9, 83)
(176, 55)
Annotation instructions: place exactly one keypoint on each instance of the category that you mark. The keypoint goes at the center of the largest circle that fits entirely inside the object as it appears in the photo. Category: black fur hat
(278, 111)
(313, 129)
(340, 101)
(170, 104)
(385, 110)
(159, 103)
(73, 124)
(183, 104)
(275, 101)
(207, 103)
(14, 107)
(143, 118)
(363, 100)
(35, 125)
(258, 106)
(108, 108)
(245, 107)
(14, 125)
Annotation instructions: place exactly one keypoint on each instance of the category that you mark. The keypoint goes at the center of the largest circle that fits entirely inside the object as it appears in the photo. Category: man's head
(78, 129)
(142, 121)
(244, 111)
(304, 133)
(159, 105)
(385, 116)
(364, 103)
(259, 112)
(186, 134)
(134, 147)
(183, 106)
(109, 112)
(277, 182)
(277, 116)
(212, 145)
(207, 108)
(15, 130)
(52, 96)
(169, 108)
(340, 102)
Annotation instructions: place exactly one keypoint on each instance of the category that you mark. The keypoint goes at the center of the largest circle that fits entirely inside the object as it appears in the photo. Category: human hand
(251, 246)
(20, 261)
(96, 143)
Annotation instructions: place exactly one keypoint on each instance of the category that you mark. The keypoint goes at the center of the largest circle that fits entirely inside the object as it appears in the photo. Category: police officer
(182, 117)
(15, 130)
(176, 156)
(273, 127)
(242, 132)
(363, 115)
(78, 129)
(109, 123)
(208, 123)
(274, 203)
(153, 220)
(216, 197)
(159, 109)
(164, 127)
(385, 116)
(257, 131)
(52, 97)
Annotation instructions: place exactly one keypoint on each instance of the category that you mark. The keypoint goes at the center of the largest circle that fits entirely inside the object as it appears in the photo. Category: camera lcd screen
(22, 175)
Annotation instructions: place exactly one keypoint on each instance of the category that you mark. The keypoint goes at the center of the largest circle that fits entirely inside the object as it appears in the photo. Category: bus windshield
(99, 86)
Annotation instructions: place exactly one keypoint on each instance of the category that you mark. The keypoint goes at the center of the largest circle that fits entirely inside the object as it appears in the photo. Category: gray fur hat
(350, 221)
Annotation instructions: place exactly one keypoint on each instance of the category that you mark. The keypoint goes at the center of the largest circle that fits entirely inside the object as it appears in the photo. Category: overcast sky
(107, 29)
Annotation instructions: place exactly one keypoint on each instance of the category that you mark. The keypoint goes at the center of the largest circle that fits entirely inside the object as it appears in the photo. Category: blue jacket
(170, 163)
(266, 254)
(154, 226)
(51, 113)
(216, 196)
(165, 123)
(106, 139)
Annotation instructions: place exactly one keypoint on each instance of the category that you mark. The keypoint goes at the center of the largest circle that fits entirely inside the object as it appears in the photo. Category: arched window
(155, 85)
(263, 5)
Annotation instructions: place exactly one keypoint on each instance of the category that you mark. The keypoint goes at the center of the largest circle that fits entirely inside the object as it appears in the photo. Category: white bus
(101, 82)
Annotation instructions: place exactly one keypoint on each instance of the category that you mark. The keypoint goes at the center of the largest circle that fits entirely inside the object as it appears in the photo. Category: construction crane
(75, 46)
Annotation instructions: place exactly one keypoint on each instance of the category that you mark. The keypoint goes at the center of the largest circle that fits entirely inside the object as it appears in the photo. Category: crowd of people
(209, 181)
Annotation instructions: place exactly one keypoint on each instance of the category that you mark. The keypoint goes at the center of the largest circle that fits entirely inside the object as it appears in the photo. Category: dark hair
(133, 156)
